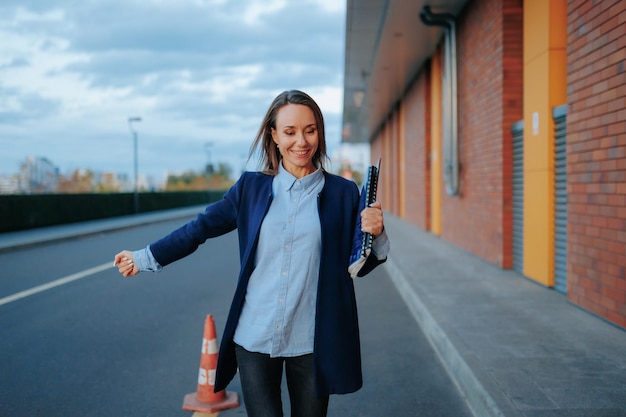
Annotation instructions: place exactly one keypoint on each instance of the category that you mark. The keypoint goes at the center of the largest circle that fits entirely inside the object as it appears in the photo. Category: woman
(294, 305)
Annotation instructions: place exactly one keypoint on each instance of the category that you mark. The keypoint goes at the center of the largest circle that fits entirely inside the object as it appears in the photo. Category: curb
(477, 398)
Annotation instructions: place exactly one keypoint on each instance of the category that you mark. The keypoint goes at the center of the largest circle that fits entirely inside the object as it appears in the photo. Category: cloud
(16, 106)
(195, 71)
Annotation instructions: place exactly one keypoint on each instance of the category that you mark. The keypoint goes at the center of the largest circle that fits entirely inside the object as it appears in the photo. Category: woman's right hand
(126, 264)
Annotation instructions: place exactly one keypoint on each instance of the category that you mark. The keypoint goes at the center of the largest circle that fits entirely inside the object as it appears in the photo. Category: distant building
(112, 182)
(38, 176)
(147, 183)
(10, 184)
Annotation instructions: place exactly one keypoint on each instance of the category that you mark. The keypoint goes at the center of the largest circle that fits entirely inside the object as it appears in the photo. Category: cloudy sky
(200, 74)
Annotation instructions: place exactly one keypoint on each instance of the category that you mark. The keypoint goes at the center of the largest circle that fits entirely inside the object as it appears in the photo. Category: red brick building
(502, 128)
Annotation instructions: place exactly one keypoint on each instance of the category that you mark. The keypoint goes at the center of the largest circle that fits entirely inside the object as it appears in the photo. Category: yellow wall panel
(536, 28)
(558, 77)
(545, 86)
(537, 114)
(435, 145)
(538, 237)
(402, 159)
(558, 24)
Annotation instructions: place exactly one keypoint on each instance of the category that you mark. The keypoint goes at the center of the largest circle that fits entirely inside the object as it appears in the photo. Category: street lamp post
(209, 167)
(130, 126)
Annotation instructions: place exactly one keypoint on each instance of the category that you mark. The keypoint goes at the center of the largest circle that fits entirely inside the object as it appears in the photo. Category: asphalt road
(102, 345)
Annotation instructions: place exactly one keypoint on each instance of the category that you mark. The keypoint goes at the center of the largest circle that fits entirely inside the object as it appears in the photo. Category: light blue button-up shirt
(278, 316)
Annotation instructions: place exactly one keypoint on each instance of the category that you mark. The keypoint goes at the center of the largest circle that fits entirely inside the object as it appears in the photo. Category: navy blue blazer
(337, 354)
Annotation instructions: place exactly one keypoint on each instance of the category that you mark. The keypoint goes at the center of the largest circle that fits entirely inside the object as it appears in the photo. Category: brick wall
(417, 151)
(489, 50)
(596, 152)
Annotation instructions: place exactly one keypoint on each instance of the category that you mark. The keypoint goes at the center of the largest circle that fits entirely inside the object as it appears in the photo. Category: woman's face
(296, 138)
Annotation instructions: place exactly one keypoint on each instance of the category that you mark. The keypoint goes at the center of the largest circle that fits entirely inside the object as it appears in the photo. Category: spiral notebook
(362, 242)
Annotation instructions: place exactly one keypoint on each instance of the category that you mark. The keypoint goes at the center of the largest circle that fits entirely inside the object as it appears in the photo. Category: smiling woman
(294, 309)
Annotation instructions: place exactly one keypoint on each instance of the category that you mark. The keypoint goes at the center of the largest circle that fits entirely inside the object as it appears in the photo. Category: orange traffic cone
(205, 400)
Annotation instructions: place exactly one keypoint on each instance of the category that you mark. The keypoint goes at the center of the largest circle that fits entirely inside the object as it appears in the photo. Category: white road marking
(53, 284)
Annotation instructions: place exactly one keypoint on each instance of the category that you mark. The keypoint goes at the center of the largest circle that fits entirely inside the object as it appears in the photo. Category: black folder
(362, 242)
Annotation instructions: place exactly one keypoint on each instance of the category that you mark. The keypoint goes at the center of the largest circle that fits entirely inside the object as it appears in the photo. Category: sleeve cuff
(144, 260)
(381, 246)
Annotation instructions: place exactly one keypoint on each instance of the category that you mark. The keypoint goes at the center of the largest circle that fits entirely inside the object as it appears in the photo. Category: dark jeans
(261, 377)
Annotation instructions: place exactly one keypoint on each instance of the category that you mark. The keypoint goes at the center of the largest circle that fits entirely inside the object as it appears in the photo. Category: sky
(199, 73)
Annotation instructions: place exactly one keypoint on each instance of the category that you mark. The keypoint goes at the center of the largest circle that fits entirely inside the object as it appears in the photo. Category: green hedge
(20, 212)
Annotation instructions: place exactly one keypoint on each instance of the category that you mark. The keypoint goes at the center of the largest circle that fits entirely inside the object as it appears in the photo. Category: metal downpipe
(449, 101)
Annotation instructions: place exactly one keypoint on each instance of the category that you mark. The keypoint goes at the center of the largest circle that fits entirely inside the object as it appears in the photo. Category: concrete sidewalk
(513, 347)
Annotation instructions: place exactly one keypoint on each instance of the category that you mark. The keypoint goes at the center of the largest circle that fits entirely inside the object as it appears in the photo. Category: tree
(81, 181)
(210, 179)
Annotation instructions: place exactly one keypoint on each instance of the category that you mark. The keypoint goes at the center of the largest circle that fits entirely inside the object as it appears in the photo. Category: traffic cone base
(191, 403)
(205, 400)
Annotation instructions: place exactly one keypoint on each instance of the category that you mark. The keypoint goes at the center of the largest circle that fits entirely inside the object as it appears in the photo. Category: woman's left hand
(372, 219)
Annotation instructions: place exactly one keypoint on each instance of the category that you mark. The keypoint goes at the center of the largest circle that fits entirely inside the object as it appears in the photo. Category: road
(102, 345)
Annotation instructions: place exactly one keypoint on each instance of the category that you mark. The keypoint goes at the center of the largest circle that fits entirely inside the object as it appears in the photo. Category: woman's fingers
(372, 220)
(125, 264)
